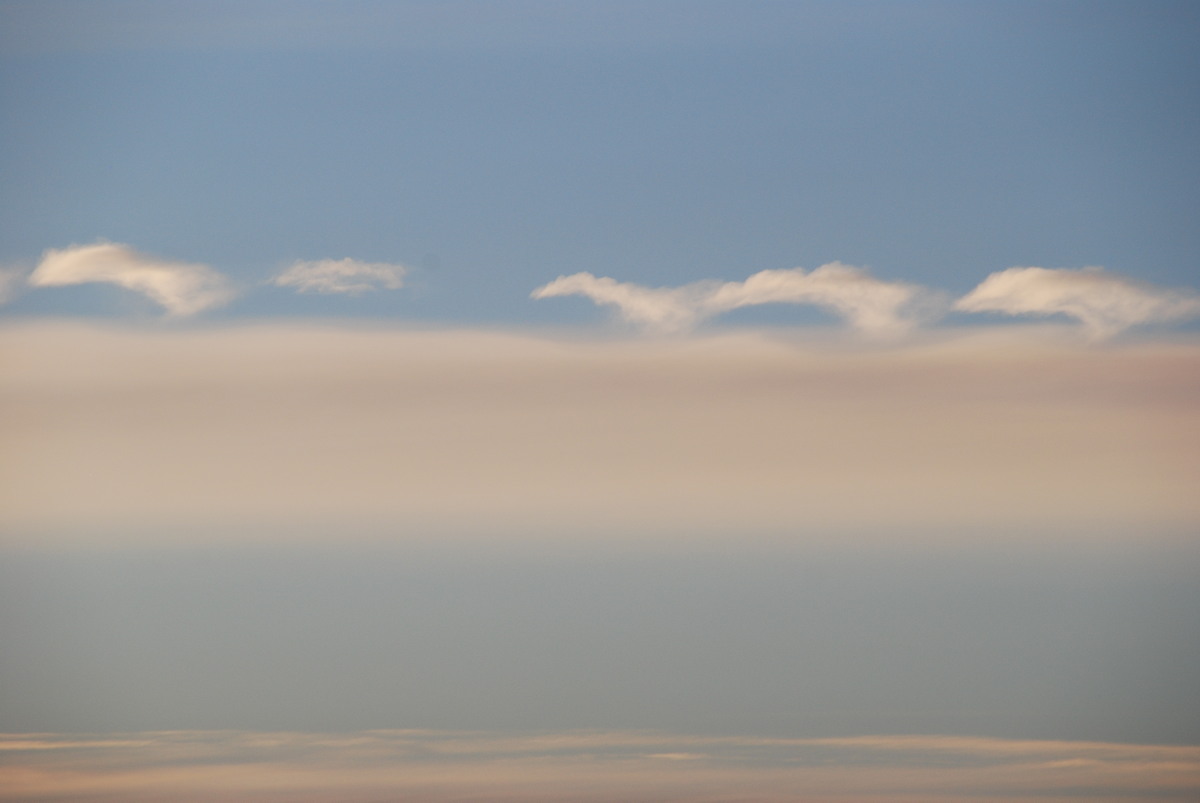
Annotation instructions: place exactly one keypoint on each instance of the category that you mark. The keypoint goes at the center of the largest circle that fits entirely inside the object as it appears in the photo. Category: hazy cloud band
(434, 766)
(495, 432)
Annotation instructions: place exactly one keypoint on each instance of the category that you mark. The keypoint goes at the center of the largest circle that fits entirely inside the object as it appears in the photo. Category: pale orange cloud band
(500, 433)
(430, 766)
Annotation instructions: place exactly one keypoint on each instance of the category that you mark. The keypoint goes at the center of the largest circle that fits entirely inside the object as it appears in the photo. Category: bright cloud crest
(1104, 303)
(870, 305)
(181, 288)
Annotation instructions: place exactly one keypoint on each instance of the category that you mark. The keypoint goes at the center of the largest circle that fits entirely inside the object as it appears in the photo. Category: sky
(699, 401)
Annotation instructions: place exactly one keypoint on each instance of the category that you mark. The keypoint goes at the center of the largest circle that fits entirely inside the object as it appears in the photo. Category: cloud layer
(1104, 302)
(477, 431)
(181, 288)
(435, 767)
(346, 276)
(870, 305)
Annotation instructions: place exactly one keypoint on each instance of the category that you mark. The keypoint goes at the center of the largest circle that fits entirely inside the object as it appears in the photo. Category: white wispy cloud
(341, 276)
(869, 304)
(1105, 303)
(181, 288)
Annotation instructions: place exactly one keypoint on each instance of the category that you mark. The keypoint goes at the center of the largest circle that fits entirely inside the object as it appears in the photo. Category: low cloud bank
(181, 288)
(474, 431)
(428, 766)
(344, 276)
(1103, 302)
(868, 304)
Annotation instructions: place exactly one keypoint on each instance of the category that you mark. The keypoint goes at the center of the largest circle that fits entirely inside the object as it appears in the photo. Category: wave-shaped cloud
(663, 309)
(347, 276)
(1104, 302)
(181, 288)
(869, 304)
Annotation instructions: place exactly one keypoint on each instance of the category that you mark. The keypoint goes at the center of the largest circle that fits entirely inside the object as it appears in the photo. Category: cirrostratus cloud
(1103, 302)
(347, 276)
(869, 304)
(181, 288)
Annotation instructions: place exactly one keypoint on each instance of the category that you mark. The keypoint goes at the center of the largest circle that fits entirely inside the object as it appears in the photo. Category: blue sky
(637, 400)
(657, 143)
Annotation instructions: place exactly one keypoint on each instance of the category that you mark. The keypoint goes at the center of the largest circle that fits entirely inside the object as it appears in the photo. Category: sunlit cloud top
(1103, 302)
(868, 304)
(181, 288)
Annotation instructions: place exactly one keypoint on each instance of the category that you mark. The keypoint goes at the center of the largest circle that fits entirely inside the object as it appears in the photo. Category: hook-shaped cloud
(181, 288)
(1105, 303)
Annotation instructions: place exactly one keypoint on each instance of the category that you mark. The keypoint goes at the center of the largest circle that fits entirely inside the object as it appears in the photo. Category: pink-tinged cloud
(866, 303)
(124, 431)
(341, 276)
(581, 767)
(181, 288)
(1103, 302)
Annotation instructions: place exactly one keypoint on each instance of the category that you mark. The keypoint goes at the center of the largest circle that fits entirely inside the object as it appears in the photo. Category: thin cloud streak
(582, 766)
(341, 276)
(1105, 303)
(181, 288)
(868, 304)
